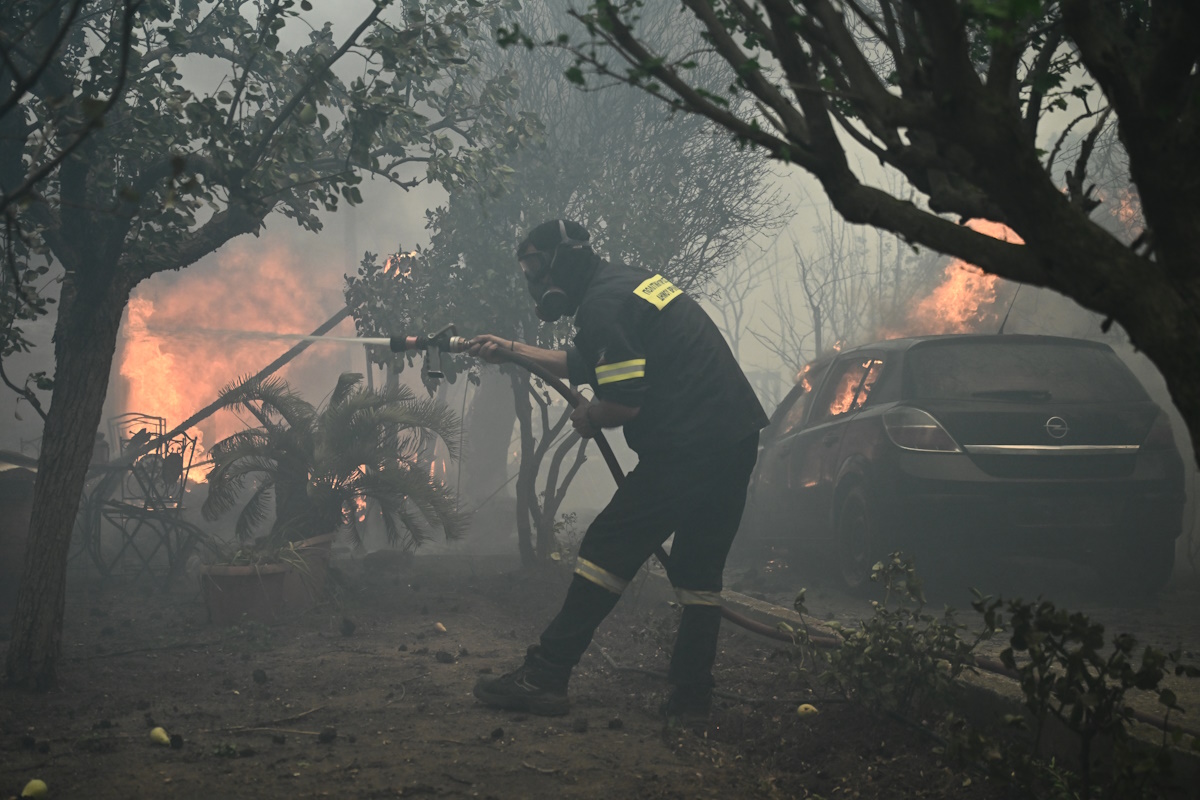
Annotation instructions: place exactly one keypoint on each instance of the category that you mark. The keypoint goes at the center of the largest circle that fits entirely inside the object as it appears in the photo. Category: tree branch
(1081, 197)
(291, 105)
(22, 85)
(234, 220)
(1041, 66)
(23, 392)
(94, 122)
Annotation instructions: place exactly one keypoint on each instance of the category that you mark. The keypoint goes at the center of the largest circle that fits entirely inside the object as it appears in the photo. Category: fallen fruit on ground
(35, 788)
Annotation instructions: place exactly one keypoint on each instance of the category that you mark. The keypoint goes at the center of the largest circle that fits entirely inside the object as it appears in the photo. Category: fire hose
(446, 341)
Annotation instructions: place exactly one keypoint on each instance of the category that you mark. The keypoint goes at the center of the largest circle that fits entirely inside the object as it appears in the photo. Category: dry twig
(264, 725)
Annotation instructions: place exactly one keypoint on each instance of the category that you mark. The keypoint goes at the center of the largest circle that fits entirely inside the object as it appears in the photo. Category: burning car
(968, 447)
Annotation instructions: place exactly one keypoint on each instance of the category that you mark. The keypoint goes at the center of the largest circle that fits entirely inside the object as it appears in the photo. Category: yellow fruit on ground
(35, 788)
(806, 710)
(159, 736)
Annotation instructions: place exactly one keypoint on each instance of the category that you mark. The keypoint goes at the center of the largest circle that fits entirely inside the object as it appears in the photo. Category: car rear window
(1019, 371)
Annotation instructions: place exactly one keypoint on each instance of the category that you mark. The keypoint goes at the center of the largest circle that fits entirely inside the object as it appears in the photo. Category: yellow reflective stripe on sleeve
(621, 371)
(689, 598)
(600, 576)
(658, 291)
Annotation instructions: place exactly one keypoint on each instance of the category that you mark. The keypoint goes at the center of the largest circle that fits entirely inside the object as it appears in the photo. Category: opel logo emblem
(1056, 427)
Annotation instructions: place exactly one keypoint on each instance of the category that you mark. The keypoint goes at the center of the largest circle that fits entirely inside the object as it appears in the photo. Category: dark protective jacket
(643, 343)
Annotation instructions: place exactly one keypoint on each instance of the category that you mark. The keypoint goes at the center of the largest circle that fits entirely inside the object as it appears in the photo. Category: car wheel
(1139, 568)
(856, 539)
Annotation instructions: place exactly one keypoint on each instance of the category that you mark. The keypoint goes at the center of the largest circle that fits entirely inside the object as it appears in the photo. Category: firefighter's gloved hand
(490, 348)
(583, 424)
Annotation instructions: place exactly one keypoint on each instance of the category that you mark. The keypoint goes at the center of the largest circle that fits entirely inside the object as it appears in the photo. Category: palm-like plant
(321, 466)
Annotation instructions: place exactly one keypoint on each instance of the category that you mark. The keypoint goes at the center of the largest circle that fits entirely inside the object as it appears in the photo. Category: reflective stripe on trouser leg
(695, 647)
(688, 597)
(600, 576)
(570, 633)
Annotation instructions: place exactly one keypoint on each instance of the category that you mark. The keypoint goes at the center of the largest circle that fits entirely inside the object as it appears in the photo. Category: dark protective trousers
(700, 500)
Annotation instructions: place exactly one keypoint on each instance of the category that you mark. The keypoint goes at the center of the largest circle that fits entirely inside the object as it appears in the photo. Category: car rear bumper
(1047, 526)
(953, 504)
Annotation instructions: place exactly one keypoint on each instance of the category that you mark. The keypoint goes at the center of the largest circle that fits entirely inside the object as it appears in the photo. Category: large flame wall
(186, 335)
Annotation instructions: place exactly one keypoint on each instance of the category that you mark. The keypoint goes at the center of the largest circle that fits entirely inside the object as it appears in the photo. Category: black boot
(690, 673)
(686, 706)
(536, 687)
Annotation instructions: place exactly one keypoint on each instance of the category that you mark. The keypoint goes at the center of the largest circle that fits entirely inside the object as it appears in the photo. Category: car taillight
(914, 429)
(1160, 434)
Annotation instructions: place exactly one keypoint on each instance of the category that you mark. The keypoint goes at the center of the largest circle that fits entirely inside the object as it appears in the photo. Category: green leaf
(93, 108)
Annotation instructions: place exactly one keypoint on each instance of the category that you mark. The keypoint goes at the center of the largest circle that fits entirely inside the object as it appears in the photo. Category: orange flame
(437, 468)
(174, 359)
(854, 386)
(1125, 210)
(965, 300)
(400, 265)
(1129, 211)
(802, 377)
(144, 355)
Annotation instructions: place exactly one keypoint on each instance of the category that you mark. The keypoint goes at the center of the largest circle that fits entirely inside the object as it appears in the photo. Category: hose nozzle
(434, 345)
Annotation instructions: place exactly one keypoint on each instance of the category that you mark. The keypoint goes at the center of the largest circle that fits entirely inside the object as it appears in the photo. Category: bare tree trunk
(1176, 353)
(488, 429)
(85, 340)
(527, 471)
(543, 511)
(556, 491)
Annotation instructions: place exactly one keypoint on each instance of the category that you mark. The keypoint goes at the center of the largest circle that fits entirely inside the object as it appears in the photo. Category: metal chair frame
(142, 499)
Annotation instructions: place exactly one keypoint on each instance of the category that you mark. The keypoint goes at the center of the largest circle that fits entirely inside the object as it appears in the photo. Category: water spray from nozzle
(379, 341)
(444, 341)
(220, 333)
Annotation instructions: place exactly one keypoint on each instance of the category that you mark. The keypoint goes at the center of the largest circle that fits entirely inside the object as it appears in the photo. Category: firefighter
(663, 373)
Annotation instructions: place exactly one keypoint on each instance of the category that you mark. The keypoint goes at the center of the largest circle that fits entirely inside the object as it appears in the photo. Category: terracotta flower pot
(237, 593)
(268, 592)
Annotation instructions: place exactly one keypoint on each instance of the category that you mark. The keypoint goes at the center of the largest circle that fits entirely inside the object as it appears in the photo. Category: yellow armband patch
(658, 291)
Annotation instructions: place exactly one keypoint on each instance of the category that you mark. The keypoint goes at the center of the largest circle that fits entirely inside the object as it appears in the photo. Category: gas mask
(552, 301)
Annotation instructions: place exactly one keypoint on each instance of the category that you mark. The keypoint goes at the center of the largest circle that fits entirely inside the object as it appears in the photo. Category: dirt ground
(1168, 621)
(367, 697)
